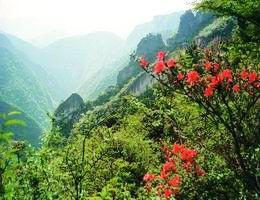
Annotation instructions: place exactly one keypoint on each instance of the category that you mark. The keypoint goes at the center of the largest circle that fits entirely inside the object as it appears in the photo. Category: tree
(6, 151)
(228, 94)
(247, 14)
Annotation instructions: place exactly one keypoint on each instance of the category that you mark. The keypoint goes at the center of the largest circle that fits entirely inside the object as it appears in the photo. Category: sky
(30, 19)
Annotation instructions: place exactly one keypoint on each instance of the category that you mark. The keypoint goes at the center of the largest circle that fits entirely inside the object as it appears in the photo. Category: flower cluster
(208, 76)
(178, 159)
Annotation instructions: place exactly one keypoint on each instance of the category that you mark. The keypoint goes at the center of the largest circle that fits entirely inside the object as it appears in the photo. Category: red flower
(252, 77)
(192, 77)
(257, 85)
(159, 67)
(175, 182)
(180, 76)
(149, 177)
(164, 174)
(244, 74)
(208, 92)
(177, 148)
(236, 88)
(215, 81)
(169, 166)
(226, 74)
(166, 151)
(216, 67)
(161, 55)
(143, 62)
(207, 65)
(167, 193)
(171, 63)
(188, 155)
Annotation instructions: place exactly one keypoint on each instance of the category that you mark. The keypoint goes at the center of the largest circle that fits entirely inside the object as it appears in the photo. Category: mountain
(32, 56)
(98, 83)
(20, 86)
(190, 25)
(166, 25)
(87, 64)
(148, 47)
(48, 38)
(202, 28)
(74, 60)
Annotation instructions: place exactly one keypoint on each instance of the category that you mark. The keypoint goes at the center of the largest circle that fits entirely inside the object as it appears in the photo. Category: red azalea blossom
(207, 65)
(252, 77)
(149, 177)
(215, 81)
(216, 67)
(167, 193)
(226, 74)
(257, 85)
(188, 155)
(171, 63)
(192, 77)
(177, 148)
(244, 74)
(164, 174)
(208, 92)
(180, 76)
(159, 67)
(169, 182)
(169, 166)
(143, 62)
(175, 182)
(236, 88)
(161, 55)
(166, 151)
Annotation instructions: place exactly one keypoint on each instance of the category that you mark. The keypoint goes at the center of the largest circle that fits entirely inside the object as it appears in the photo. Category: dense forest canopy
(182, 121)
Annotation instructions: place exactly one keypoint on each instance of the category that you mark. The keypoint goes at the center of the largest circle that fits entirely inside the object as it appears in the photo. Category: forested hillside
(20, 86)
(180, 122)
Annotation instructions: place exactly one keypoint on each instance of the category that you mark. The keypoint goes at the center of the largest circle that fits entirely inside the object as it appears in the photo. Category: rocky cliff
(68, 112)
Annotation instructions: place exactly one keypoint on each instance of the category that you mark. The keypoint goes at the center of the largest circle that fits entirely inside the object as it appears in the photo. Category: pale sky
(31, 18)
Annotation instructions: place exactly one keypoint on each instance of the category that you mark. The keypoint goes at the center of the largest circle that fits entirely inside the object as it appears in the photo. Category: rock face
(147, 47)
(141, 84)
(189, 26)
(68, 112)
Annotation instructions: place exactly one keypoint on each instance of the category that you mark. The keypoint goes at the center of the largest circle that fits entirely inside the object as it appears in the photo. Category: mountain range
(35, 80)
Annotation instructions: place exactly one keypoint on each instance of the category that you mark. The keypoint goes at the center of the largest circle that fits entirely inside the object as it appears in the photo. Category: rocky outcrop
(189, 27)
(68, 112)
(147, 47)
(141, 84)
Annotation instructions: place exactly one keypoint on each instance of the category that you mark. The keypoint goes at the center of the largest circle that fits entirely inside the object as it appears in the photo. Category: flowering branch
(226, 92)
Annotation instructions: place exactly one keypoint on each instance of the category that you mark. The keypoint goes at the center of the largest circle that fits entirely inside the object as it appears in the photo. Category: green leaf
(14, 113)
(12, 122)
(6, 136)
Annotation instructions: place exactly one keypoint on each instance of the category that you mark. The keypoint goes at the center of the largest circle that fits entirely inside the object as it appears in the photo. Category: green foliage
(10, 153)
(33, 98)
(30, 132)
(247, 14)
(118, 137)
